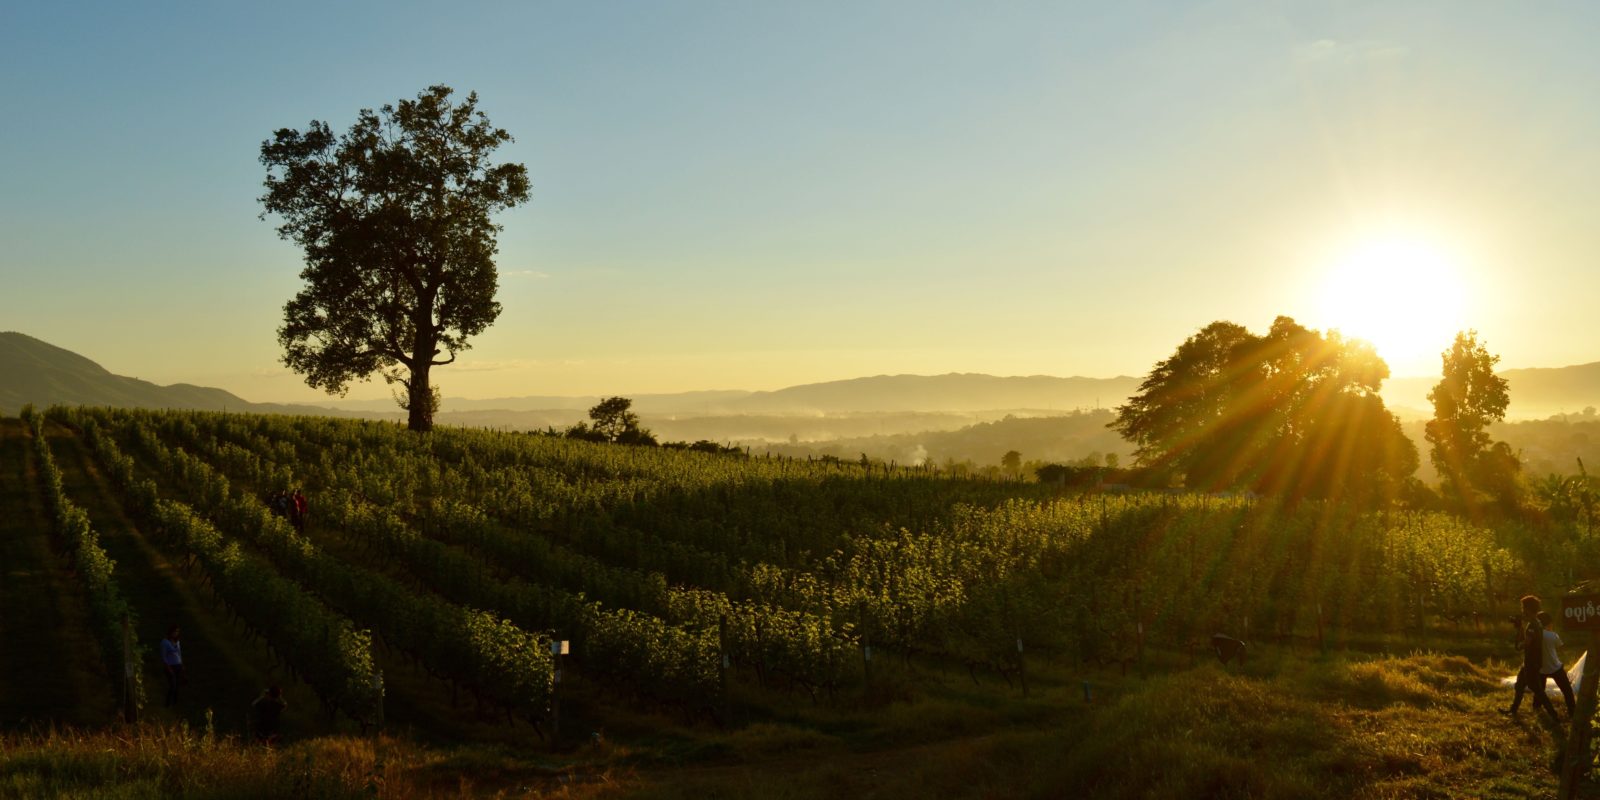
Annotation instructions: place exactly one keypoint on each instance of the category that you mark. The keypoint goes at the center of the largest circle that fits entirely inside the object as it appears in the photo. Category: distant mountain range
(882, 393)
(32, 371)
(1535, 392)
(40, 373)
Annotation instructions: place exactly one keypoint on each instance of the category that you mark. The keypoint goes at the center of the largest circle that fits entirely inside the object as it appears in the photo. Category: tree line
(1296, 413)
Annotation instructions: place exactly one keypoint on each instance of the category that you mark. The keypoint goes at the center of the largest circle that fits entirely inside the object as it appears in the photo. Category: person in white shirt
(1552, 668)
(172, 661)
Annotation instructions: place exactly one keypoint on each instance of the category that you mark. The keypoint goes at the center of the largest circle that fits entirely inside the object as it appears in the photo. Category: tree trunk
(419, 401)
(424, 346)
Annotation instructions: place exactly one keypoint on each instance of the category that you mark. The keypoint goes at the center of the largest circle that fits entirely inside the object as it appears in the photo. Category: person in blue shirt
(172, 661)
(1552, 668)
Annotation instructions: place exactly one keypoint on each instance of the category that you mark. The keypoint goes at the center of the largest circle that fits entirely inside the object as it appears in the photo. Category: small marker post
(866, 661)
(1322, 644)
(722, 669)
(558, 648)
(1022, 668)
(1138, 646)
(130, 688)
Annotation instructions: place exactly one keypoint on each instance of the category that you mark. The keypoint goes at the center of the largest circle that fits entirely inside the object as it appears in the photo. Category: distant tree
(1294, 413)
(612, 416)
(612, 420)
(1467, 400)
(394, 220)
(1011, 461)
(701, 446)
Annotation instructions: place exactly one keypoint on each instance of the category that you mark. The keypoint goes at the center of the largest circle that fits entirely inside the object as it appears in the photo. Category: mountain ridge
(37, 372)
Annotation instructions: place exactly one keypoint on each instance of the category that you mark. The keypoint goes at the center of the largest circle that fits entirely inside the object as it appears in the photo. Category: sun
(1405, 295)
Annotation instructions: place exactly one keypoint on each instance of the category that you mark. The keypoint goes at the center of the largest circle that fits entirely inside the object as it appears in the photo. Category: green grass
(1423, 725)
(1288, 725)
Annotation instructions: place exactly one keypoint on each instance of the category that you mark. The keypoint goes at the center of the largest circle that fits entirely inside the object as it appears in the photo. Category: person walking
(266, 713)
(301, 508)
(172, 661)
(1551, 667)
(1531, 677)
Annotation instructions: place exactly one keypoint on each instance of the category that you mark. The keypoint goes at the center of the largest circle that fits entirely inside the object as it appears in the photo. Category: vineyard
(437, 576)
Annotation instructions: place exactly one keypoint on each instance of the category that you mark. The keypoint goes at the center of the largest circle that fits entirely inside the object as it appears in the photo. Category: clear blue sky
(751, 195)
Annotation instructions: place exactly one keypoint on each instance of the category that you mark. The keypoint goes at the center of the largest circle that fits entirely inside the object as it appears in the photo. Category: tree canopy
(1294, 413)
(613, 420)
(393, 217)
(1468, 398)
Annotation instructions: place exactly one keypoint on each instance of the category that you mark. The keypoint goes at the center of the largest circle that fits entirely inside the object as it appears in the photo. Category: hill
(1535, 392)
(33, 371)
(37, 372)
(1057, 438)
(951, 392)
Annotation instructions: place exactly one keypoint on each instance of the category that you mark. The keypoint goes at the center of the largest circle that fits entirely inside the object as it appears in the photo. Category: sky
(755, 195)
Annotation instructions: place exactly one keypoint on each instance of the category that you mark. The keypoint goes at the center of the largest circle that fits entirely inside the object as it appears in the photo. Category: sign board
(1580, 612)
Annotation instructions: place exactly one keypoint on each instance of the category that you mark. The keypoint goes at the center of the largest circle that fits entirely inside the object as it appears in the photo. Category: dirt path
(226, 668)
(50, 665)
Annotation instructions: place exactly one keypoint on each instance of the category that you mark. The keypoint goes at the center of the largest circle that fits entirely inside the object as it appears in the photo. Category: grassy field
(1424, 725)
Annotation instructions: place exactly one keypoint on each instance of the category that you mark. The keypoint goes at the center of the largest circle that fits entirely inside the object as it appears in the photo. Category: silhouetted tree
(1468, 398)
(394, 219)
(1294, 413)
(612, 420)
(1011, 461)
(1179, 420)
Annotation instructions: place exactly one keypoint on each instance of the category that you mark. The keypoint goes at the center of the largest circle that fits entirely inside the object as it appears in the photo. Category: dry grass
(1417, 726)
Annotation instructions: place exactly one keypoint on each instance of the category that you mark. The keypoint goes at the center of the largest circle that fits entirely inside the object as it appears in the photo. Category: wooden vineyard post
(866, 662)
(1138, 646)
(558, 648)
(1322, 644)
(1422, 623)
(130, 699)
(722, 669)
(1580, 611)
(1588, 501)
(1022, 668)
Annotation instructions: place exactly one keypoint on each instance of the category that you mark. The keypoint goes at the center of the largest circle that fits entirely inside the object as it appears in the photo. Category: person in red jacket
(299, 510)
